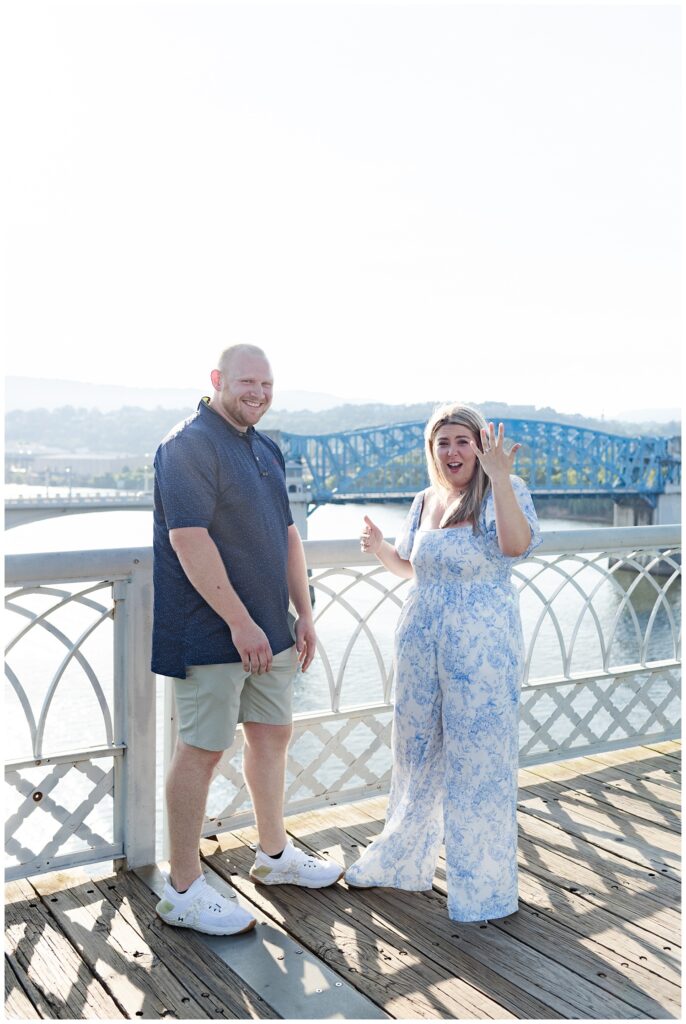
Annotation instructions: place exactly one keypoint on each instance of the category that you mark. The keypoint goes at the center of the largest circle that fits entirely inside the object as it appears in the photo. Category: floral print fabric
(459, 661)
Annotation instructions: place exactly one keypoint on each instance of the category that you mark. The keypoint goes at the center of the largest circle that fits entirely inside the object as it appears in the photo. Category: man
(227, 557)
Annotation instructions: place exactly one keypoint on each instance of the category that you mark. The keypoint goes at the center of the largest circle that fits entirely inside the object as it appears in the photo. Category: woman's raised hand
(495, 460)
(371, 537)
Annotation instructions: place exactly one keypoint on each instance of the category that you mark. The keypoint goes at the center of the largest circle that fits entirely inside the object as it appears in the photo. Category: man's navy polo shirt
(209, 474)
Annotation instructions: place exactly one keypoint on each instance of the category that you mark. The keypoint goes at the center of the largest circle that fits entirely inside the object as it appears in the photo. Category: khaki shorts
(214, 698)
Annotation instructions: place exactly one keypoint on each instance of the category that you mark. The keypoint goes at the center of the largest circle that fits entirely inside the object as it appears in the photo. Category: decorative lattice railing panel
(55, 664)
(75, 701)
(60, 813)
(595, 714)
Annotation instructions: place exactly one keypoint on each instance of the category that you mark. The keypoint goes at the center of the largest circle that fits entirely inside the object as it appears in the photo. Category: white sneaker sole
(210, 931)
(300, 885)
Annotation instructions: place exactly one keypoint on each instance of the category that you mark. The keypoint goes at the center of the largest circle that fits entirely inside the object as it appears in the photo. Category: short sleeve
(525, 502)
(405, 538)
(186, 480)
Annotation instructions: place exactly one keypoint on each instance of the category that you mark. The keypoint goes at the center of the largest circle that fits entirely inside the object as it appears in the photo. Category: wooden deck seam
(601, 793)
(600, 912)
(638, 767)
(10, 967)
(631, 995)
(17, 993)
(531, 868)
(669, 748)
(596, 806)
(624, 853)
(601, 856)
(594, 809)
(95, 988)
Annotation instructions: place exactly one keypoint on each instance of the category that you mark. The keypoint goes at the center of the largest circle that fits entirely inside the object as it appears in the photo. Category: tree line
(135, 431)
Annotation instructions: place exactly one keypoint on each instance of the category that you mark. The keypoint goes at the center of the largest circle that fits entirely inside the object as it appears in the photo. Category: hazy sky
(400, 202)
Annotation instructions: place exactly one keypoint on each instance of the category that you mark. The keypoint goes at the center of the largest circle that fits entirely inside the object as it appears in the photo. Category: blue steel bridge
(387, 462)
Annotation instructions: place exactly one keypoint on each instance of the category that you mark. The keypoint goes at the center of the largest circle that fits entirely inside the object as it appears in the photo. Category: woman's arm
(372, 540)
(512, 526)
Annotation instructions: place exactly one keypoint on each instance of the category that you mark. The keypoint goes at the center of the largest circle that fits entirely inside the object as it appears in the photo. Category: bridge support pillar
(298, 495)
(633, 512)
(299, 498)
(637, 512)
(668, 509)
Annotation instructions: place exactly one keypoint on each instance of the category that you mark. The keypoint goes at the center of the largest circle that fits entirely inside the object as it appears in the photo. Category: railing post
(134, 720)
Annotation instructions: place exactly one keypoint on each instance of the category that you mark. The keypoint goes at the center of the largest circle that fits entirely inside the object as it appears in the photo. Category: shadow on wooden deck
(597, 934)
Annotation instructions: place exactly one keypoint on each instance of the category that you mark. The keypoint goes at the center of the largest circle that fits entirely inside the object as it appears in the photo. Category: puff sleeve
(525, 502)
(405, 539)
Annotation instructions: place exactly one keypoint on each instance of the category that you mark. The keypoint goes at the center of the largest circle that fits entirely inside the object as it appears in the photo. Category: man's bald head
(243, 385)
(229, 355)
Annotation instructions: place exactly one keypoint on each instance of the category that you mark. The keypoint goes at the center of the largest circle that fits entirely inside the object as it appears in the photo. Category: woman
(459, 662)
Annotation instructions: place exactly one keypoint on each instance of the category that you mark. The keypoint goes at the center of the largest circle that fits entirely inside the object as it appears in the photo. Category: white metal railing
(78, 803)
(22, 510)
(601, 611)
(75, 497)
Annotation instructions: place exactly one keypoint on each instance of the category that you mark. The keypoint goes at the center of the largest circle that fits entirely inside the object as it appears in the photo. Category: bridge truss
(388, 462)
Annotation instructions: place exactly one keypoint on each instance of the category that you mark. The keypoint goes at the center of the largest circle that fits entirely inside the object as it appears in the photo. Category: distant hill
(650, 416)
(137, 431)
(40, 393)
(350, 417)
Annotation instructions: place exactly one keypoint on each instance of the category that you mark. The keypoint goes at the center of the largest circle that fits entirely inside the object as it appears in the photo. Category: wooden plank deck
(597, 934)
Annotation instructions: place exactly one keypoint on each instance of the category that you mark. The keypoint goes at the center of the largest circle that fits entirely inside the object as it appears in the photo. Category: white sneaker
(294, 867)
(203, 908)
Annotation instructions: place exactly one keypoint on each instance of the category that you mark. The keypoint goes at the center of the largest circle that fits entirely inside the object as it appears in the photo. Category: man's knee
(261, 737)
(197, 757)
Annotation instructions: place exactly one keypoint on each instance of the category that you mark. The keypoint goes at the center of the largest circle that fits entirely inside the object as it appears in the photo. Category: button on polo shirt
(232, 483)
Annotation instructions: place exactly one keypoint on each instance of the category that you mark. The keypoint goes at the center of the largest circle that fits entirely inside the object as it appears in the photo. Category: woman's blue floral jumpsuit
(459, 662)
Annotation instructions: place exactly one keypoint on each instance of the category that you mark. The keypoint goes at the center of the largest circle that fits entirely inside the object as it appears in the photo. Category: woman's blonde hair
(467, 508)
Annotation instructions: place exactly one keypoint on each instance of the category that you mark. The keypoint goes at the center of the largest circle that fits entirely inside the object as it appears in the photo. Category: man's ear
(216, 378)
